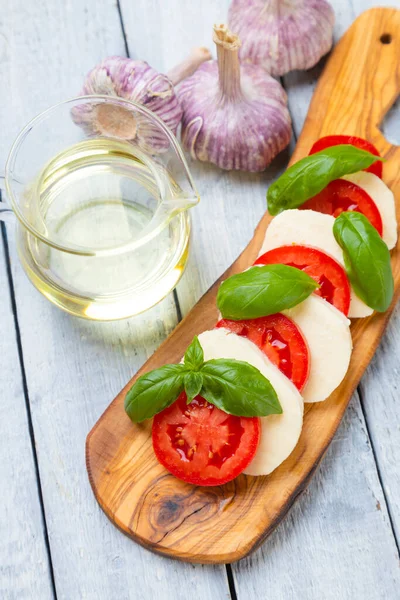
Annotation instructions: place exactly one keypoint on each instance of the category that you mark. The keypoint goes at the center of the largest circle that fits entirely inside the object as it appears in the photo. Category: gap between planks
(378, 469)
(27, 403)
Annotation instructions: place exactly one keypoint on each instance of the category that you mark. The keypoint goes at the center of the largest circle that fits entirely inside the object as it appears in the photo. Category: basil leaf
(238, 388)
(193, 382)
(262, 291)
(154, 391)
(311, 175)
(194, 355)
(366, 259)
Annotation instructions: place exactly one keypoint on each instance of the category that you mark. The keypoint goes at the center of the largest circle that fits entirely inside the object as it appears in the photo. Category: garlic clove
(136, 81)
(234, 115)
(188, 66)
(283, 35)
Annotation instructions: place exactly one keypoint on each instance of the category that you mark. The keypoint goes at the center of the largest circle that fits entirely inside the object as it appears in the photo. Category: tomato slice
(334, 140)
(330, 275)
(280, 339)
(340, 195)
(201, 444)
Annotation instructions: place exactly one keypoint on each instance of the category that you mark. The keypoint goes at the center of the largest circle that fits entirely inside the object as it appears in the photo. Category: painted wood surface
(24, 563)
(162, 33)
(336, 542)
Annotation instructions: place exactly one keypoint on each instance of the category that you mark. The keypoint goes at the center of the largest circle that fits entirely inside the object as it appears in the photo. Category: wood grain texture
(379, 389)
(223, 524)
(72, 367)
(24, 563)
(336, 542)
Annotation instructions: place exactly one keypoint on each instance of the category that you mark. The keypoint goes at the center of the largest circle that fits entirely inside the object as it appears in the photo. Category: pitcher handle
(6, 212)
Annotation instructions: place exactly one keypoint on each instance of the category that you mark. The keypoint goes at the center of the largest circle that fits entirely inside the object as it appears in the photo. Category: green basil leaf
(193, 382)
(194, 355)
(311, 175)
(366, 259)
(238, 389)
(262, 291)
(154, 391)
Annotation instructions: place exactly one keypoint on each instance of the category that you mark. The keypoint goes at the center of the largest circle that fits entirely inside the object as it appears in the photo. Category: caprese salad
(235, 402)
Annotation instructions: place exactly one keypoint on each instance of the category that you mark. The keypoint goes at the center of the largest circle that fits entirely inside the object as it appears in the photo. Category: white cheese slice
(310, 228)
(384, 200)
(327, 333)
(279, 433)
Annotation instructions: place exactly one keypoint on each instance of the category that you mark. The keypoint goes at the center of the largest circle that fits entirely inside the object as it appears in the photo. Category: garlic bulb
(134, 80)
(234, 116)
(282, 35)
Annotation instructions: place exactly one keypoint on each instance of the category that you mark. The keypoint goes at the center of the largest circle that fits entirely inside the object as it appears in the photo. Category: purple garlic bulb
(134, 80)
(234, 115)
(282, 35)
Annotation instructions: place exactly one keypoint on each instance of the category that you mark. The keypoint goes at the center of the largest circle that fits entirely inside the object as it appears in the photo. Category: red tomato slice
(280, 339)
(340, 195)
(335, 140)
(331, 276)
(201, 444)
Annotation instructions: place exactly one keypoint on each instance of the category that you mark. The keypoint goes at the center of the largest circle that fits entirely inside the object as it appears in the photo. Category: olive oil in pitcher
(118, 227)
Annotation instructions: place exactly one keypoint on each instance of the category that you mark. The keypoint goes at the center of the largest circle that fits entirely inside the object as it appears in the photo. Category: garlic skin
(135, 80)
(234, 116)
(283, 35)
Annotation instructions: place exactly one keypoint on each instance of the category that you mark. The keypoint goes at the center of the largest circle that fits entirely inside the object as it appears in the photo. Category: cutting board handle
(362, 96)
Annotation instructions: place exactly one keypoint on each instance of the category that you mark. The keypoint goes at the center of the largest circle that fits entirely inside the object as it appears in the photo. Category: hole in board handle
(385, 38)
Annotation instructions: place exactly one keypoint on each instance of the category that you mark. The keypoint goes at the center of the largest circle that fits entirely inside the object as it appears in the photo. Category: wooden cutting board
(223, 524)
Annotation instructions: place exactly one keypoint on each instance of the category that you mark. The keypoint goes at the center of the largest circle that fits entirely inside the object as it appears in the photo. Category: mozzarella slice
(310, 228)
(279, 433)
(384, 200)
(327, 333)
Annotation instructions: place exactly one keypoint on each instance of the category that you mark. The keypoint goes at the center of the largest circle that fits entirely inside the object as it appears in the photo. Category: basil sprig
(262, 291)
(311, 175)
(238, 388)
(234, 386)
(366, 259)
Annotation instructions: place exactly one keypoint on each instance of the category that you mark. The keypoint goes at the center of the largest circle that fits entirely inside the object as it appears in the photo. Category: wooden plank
(337, 541)
(24, 563)
(380, 399)
(73, 366)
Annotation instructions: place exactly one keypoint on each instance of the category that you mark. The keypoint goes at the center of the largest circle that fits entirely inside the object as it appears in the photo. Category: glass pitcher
(101, 189)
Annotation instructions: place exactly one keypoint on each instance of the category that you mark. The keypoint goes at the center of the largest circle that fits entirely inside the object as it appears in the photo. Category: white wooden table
(58, 373)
